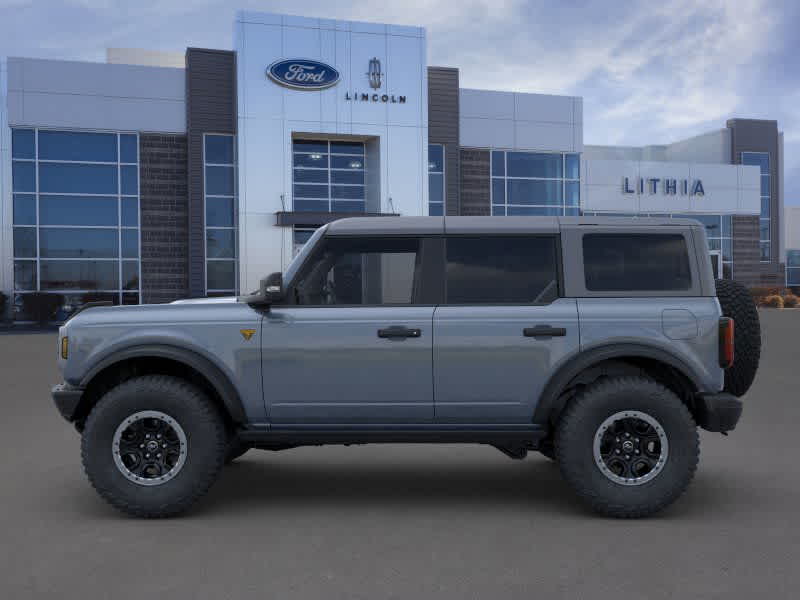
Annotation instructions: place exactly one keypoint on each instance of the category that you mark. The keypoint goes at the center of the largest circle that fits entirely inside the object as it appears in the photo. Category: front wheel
(628, 446)
(153, 445)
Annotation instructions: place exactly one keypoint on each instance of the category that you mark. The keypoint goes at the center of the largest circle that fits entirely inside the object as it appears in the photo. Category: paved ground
(404, 522)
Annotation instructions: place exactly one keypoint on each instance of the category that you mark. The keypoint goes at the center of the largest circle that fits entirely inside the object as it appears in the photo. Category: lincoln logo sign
(667, 186)
(302, 74)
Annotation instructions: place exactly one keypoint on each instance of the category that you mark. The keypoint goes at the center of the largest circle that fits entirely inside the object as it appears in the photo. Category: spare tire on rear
(738, 304)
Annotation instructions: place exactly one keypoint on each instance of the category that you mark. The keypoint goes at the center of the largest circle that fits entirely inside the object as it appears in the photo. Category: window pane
(573, 192)
(301, 236)
(765, 207)
(498, 163)
(219, 149)
(535, 211)
(310, 146)
(793, 258)
(435, 158)
(348, 206)
(219, 181)
(77, 210)
(77, 179)
(793, 277)
(572, 211)
(435, 209)
(221, 274)
(79, 275)
(130, 243)
(726, 226)
(128, 149)
(523, 191)
(24, 209)
(310, 191)
(635, 262)
(311, 175)
(25, 275)
(220, 243)
(759, 159)
(573, 166)
(436, 187)
(130, 212)
(714, 244)
(311, 205)
(130, 274)
(499, 270)
(727, 249)
(347, 148)
(351, 192)
(25, 242)
(360, 271)
(74, 145)
(129, 299)
(346, 162)
(530, 164)
(219, 212)
(765, 250)
(129, 180)
(356, 177)
(23, 144)
(499, 210)
(78, 243)
(23, 176)
(765, 185)
(498, 191)
(763, 229)
(318, 161)
(712, 224)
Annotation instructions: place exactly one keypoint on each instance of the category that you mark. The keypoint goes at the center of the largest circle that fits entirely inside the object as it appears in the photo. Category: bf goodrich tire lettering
(737, 303)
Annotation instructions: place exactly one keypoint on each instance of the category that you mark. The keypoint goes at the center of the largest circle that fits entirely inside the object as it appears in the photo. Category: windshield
(298, 260)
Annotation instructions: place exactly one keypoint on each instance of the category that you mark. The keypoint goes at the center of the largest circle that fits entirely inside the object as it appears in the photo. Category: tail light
(726, 342)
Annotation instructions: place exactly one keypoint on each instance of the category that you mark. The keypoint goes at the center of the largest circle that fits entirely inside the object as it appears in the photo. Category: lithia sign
(667, 186)
(306, 74)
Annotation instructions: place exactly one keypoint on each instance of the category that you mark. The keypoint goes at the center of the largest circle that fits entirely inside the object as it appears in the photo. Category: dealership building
(156, 176)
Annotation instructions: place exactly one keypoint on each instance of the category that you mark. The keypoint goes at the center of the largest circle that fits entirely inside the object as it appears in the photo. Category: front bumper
(67, 398)
(717, 412)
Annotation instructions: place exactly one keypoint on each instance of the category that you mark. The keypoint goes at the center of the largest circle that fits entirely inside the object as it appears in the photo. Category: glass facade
(718, 232)
(328, 176)
(75, 216)
(793, 267)
(435, 180)
(535, 183)
(761, 160)
(219, 158)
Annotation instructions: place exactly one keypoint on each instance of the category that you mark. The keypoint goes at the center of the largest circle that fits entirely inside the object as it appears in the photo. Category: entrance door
(716, 263)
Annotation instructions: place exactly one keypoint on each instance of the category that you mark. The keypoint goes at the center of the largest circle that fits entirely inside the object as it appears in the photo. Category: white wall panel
(486, 104)
(486, 133)
(539, 135)
(405, 79)
(363, 47)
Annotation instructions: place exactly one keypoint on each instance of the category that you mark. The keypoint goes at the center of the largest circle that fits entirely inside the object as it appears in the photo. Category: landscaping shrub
(790, 301)
(41, 306)
(773, 301)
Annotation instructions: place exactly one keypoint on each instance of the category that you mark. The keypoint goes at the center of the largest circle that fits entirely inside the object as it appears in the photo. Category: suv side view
(602, 343)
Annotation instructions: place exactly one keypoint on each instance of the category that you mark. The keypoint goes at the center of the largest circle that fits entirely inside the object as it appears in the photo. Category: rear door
(502, 328)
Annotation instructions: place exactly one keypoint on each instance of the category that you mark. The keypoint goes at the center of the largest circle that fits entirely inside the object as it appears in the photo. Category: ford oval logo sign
(303, 74)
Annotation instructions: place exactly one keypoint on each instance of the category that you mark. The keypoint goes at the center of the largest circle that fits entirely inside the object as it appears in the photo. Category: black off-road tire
(738, 304)
(583, 417)
(236, 448)
(547, 449)
(191, 409)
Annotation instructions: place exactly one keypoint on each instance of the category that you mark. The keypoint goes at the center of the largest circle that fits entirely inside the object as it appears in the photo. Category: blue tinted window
(535, 211)
(793, 258)
(221, 274)
(347, 192)
(25, 275)
(726, 225)
(129, 180)
(24, 209)
(130, 275)
(219, 181)
(77, 210)
(23, 176)
(73, 145)
(319, 161)
(498, 191)
(572, 189)
(23, 143)
(80, 275)
(78, 243)
(764, 207)
(77, 179)
(348, 206)
(759, 159)
(128, 149)
(311, 205)
(572, 211)
(310, 191)
(130, 212)
(220, 243)
(499, 211)
(711, 223)
(573, 166)
(436, 209)
(765, 251)
(343, 162)
(313, 175)
(347, 148)
(436, 187)
(765, 185)
(498, 164)
(435, 158)
(727, 249)
(25, 242)
(219, 149)
(354, 177)
(530, 164)
(130, 243)
(764, 229)
(219, 212)
(522, 191)
(310, 146)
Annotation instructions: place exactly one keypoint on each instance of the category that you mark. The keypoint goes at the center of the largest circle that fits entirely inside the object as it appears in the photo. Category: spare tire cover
(738, 304)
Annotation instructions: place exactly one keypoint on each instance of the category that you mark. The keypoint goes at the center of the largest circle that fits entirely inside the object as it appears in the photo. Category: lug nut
(627, 457)
(627, 435)
(637, 452)
(147, 456)
(141, 445)
(617, 450)
(158, 455)
(163, 445)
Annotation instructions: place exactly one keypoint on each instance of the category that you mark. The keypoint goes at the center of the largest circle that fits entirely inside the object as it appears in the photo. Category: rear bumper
(67, 398)
(718, 412)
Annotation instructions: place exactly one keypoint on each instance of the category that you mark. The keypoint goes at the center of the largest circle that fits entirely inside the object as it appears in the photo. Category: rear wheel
(628, 446)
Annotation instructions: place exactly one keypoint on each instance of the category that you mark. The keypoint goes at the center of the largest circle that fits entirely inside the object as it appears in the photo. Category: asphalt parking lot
(401, 521)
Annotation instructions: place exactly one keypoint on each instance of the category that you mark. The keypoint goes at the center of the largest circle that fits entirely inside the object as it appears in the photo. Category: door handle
(399, 332)
(544, 331)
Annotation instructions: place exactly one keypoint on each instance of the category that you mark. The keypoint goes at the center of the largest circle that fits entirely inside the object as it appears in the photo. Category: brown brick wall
(164, 217)
(475, 198)
(747, 268)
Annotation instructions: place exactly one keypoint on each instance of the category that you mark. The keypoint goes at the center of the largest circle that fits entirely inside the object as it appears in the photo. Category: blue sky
(649, 72)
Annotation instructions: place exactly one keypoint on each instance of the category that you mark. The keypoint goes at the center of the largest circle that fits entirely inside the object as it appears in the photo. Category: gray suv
(601, 343)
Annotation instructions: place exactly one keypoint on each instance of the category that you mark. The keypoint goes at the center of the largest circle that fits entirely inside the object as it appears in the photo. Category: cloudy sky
(649, 72)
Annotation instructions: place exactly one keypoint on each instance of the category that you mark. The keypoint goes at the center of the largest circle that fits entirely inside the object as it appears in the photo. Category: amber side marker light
(64, 347)
(726, 327)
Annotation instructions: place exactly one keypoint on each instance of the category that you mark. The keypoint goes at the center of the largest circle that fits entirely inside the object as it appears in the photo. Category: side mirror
(270, 291)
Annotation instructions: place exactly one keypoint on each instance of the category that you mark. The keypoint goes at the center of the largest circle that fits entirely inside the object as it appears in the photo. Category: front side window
(636, 262)
(359, 271)
(501, 270)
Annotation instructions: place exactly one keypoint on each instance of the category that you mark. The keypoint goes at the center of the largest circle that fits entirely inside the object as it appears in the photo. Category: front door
(352, 345)
(502, 330)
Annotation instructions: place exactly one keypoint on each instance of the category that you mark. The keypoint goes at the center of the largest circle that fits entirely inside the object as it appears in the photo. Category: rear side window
(500, 270)
(636, 262)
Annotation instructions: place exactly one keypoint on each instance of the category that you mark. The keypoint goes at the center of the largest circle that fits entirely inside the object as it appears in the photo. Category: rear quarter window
(636, 262)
